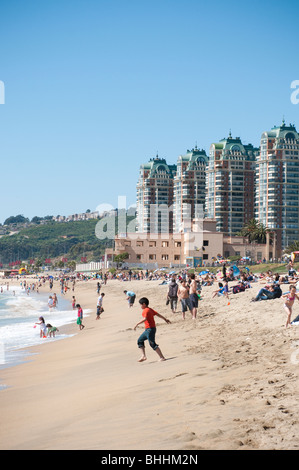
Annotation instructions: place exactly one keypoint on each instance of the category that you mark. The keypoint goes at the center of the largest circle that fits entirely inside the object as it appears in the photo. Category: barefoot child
(51, 330)
(43, 328)
(150, 329)
(80, 317)
(289, 302)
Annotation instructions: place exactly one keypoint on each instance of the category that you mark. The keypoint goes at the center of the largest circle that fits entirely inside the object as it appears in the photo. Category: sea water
(18, 314)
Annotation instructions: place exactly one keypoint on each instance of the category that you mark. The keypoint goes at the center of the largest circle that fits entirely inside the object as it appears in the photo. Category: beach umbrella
(203, 272)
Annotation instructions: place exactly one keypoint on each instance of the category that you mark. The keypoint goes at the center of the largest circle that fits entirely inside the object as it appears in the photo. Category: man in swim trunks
(183, 296)
(193, 296)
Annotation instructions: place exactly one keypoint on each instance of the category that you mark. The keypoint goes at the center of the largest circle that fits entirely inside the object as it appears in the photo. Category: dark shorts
(148, 334)
(194, 300)
(186, 304)
(99, 310)
(132, 299)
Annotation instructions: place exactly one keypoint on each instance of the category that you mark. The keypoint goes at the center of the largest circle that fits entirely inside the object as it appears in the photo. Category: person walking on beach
(183, 296)
(80, 317)
(173, 294)
(100, 308)
(193, 296)
(149, 333)
(131, 296)
(289, 302)
(50, 303)
(55, 300)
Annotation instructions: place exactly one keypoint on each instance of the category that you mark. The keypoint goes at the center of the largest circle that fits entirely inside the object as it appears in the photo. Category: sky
(93, 89)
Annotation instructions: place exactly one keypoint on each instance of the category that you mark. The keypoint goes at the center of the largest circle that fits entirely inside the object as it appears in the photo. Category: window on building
(177, 244)
(165, 244)
(206, 243)
(138, 256)
(164, 257)
(152, 257)
(152, 244)
(205, 256)
(176, 257)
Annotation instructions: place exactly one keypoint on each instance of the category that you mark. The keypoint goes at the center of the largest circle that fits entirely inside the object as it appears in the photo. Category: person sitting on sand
(219, 291)
(273, 292)
(289, 302)
(150, 329)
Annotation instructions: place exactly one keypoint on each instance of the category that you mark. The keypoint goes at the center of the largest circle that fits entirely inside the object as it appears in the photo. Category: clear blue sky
(94, 88)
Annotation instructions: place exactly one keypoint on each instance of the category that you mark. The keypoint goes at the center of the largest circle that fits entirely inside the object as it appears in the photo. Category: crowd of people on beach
(185, 290)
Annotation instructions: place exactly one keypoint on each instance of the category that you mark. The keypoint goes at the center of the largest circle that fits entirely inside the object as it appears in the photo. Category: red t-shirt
(148, 313)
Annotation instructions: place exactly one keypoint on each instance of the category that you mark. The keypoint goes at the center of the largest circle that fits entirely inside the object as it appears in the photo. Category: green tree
(18, 219)
(121, 258)
(255, 231)
(292, 247)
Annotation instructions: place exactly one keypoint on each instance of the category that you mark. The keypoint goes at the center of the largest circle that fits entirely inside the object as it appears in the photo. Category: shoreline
(23, 354)
(228, 381)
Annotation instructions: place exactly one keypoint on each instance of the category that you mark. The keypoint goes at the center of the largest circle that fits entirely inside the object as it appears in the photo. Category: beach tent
(22, 271)
(236, 271)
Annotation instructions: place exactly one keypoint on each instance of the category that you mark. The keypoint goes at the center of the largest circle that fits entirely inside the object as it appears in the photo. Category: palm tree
(255, 231)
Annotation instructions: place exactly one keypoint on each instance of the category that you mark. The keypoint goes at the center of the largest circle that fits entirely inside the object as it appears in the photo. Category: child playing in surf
(43, 328)
(80, 317)
(51, 330)
(289, 302)
(150, 329)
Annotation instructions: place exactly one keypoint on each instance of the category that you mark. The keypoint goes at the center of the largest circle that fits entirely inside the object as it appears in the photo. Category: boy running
(150, 329)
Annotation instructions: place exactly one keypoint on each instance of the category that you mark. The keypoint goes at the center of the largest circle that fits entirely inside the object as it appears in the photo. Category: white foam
(18, 315)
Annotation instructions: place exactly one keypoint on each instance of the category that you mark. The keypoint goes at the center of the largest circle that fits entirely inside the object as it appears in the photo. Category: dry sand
(229, 382)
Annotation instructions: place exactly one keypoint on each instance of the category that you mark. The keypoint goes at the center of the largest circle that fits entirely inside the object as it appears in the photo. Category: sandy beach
(230, 380)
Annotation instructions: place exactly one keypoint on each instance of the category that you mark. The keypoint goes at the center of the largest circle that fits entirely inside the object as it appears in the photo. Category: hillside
(52, 240)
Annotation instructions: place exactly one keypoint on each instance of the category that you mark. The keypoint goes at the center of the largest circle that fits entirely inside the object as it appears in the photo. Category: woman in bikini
(289, 302)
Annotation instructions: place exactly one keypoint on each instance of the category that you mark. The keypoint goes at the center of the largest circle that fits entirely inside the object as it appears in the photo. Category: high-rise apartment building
(230, 184)
(155, 196)
(189, 187)
(277, 183)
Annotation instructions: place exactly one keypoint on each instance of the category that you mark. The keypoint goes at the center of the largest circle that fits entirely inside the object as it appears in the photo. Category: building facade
(230, 184)
(200, 246)
(277, 183)
(189, 187)
(155, 196)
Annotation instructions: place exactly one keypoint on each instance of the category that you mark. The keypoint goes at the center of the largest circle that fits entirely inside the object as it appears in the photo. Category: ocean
(18, 314)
